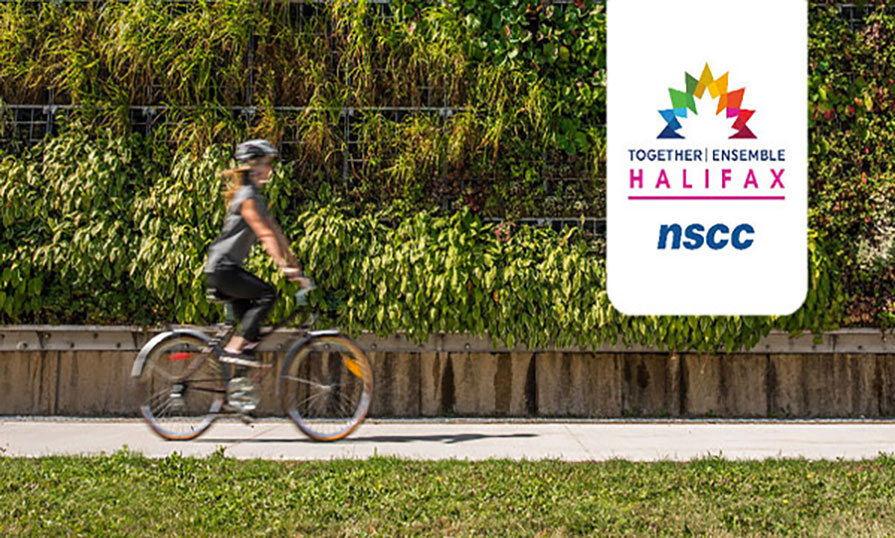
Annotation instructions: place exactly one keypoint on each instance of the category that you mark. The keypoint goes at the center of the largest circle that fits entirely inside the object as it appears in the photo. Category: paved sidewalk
(570, 441)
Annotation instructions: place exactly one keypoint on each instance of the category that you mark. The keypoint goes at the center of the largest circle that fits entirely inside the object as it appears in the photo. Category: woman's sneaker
(246, 358)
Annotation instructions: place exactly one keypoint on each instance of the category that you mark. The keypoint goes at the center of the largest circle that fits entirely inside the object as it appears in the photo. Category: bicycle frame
(229, 396)
(226, 332)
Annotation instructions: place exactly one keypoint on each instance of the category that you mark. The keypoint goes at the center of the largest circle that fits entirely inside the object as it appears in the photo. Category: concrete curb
(85, 371)
(131, 338)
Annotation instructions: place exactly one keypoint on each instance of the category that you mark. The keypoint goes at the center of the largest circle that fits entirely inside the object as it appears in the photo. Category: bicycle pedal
(230, 409)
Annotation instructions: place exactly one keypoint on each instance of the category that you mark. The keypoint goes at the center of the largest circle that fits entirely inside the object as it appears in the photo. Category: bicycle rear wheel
(326, 386)
(182, 388)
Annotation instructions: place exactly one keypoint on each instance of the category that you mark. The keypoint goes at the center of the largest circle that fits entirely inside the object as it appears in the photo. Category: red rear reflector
(179, 356)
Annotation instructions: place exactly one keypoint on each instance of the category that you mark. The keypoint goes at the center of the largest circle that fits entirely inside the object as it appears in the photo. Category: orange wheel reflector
(352, 366)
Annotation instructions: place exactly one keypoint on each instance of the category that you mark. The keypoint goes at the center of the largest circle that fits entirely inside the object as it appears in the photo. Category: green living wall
(405, 127)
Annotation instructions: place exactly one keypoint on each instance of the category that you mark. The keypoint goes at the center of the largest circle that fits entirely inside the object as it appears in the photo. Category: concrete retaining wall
(58, 373)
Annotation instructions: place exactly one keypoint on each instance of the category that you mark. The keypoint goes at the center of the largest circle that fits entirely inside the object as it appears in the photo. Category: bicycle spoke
(332, 378)
(183, 395)
(305, 381)
(152, 368)
(159, 395)
(335, 407)
(348, 404)
(163, 409)
(313, 397)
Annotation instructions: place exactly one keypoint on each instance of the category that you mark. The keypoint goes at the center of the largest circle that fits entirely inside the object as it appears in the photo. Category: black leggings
(251, 297)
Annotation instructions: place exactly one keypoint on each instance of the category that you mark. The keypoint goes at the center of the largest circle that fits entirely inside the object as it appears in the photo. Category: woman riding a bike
(248, 221)
(185, 378)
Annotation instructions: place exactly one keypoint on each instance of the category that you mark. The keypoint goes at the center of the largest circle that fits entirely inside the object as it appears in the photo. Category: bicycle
(325, 384)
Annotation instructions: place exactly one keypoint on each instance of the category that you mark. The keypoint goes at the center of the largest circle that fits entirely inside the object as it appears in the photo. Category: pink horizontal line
(706, 197)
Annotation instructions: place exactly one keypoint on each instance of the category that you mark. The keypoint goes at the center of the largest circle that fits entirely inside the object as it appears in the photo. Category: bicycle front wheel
(182, 387)
(326, 386)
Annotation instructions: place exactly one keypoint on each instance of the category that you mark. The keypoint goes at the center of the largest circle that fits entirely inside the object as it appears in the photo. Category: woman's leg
(255, 300)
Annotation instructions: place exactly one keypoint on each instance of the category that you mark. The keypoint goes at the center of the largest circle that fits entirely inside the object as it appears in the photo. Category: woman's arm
(264, 232)
(284, 243)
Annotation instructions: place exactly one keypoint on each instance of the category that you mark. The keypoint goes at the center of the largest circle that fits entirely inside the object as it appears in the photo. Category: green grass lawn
(126, 494)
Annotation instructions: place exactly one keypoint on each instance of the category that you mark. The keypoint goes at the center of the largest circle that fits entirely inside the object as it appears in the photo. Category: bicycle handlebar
(301, 297)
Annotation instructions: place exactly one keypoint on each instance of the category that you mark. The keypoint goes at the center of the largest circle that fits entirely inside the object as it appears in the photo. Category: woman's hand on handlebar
(295, 275)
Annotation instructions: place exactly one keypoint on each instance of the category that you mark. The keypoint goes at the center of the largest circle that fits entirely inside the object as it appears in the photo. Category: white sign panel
(707, 180)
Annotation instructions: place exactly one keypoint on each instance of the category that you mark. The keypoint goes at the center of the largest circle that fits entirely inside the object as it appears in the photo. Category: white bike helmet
(255, 149)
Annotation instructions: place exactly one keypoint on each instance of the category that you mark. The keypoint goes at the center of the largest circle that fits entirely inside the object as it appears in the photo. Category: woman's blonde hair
(236, 177)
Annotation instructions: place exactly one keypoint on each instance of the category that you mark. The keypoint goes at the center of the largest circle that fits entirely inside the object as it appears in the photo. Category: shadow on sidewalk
(449, 439)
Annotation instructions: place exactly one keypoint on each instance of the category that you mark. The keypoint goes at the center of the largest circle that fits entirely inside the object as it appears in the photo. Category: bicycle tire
(326, 386)
(181, 385)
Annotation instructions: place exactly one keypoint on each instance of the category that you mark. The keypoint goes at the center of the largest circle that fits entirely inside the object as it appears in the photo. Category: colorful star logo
(731, 102)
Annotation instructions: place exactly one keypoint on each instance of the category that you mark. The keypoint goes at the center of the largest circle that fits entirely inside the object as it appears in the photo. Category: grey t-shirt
(237, 238)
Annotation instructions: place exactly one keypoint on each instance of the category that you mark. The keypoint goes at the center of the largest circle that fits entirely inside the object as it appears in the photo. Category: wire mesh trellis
(595, 226)
(28, 123)
(856, 14)
(31, 125)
